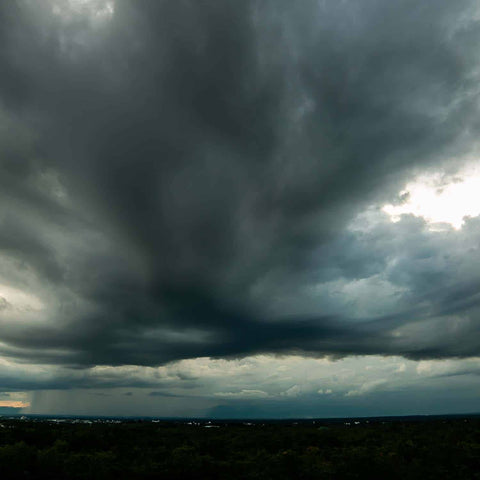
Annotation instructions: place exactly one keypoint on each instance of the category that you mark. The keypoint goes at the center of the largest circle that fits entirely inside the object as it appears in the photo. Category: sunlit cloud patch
(440, 199)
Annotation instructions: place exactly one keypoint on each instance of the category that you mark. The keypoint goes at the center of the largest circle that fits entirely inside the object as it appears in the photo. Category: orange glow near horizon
(14, 404)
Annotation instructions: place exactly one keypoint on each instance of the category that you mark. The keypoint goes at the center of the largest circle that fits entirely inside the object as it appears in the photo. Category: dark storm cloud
(171, 175)
(162, 394)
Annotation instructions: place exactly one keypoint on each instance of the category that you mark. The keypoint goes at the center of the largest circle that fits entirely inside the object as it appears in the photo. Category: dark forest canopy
(444, 448)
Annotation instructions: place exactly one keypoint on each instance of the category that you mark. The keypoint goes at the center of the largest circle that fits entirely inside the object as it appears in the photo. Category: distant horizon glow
(14, 404)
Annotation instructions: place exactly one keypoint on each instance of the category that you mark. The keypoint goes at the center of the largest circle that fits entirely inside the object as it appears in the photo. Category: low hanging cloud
(185, 179)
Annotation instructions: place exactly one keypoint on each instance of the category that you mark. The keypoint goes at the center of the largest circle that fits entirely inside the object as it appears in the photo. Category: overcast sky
(239, 208)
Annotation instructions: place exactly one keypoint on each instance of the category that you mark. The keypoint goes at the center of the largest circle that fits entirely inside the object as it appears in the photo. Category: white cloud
(93, 10)
(437, 368)
(327, 391)
(440, 198)
(293, 391)
(366, 387)
(243, 394)
(401, 368)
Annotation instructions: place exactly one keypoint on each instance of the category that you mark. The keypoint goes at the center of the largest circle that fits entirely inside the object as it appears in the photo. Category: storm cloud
(205, 179)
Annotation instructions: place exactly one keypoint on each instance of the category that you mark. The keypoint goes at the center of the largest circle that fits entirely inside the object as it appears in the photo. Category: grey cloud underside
(173, 181)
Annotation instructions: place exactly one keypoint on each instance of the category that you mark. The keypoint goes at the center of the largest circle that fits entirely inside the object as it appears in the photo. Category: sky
(256, 208)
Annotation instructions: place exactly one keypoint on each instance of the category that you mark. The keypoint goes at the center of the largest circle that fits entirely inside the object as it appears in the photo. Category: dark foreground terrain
(380, 449)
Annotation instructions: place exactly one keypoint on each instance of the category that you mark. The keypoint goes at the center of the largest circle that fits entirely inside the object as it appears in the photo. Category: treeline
(448, 449)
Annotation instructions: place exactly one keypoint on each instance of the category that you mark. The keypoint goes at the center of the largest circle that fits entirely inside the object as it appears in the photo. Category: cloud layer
(182, 180)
